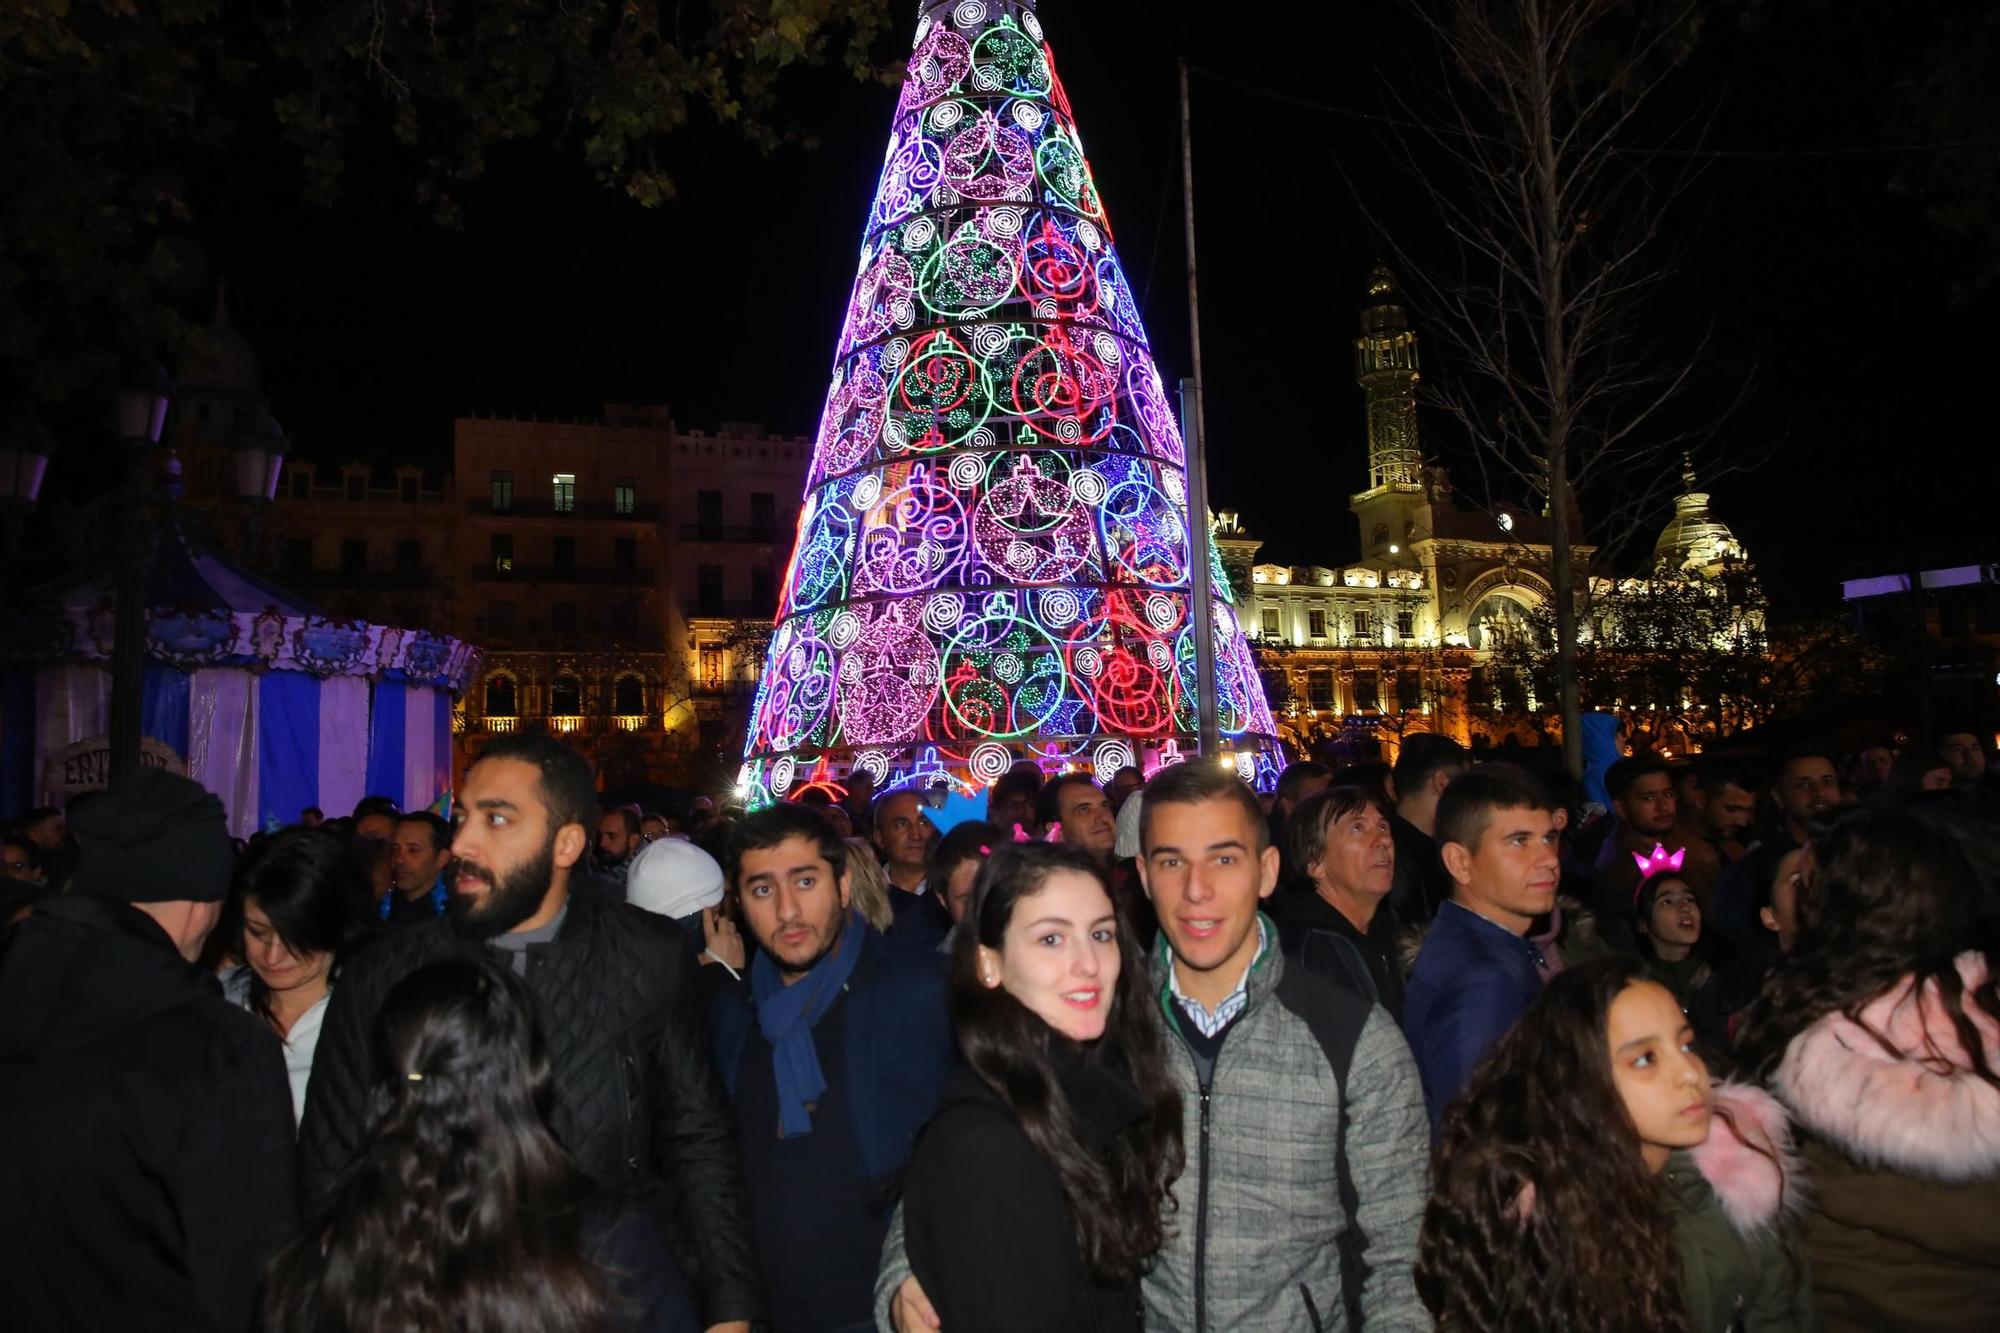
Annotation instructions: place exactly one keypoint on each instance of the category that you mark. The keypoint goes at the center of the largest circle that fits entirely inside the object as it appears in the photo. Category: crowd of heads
(1699, 923)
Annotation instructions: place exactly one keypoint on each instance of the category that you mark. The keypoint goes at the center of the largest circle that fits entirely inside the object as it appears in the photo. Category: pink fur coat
(1748, 1159)
(1919, 1109)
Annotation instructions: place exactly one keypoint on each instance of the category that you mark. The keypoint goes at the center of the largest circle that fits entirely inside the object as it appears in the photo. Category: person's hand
(722, 941)
(733, 1326)
(912, 1310)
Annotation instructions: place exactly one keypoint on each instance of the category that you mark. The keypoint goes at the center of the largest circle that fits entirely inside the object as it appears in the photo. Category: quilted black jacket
(637, 1100)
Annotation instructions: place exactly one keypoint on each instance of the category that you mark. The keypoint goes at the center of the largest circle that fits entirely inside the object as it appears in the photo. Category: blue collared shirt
(1206, 1021)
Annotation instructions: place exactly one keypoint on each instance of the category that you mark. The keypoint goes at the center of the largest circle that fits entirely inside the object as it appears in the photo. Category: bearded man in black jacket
(636, 1097)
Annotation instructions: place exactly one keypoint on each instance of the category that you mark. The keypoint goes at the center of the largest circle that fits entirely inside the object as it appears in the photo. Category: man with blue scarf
(834, 1052)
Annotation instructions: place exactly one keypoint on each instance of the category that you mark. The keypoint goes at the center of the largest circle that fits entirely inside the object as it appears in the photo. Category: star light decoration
(992, 560)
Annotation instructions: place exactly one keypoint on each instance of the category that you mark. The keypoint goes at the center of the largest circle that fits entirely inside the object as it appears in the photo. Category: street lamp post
(141, 416)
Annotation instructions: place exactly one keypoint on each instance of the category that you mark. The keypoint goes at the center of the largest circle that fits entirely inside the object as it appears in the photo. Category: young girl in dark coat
(1591, 1177)
(1040, 1191)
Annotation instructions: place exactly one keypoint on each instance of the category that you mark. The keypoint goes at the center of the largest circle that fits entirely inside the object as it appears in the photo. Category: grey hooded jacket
(1256, 1243)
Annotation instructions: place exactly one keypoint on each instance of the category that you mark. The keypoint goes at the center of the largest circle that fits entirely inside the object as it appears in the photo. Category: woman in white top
(299, 905)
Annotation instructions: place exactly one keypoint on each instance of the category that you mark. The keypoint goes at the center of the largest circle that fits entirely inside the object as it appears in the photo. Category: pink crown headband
(1659, 860)
(1022, 835)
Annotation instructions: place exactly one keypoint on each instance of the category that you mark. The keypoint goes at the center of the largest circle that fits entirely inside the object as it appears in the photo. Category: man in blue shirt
(1477, 972)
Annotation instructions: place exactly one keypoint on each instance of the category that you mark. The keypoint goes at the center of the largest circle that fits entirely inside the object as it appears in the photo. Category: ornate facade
(1404, 638)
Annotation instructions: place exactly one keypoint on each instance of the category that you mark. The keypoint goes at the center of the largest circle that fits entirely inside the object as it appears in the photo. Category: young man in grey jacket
(1307, 1143)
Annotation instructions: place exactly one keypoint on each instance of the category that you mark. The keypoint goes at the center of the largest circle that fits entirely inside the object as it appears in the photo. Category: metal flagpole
(1194, 433)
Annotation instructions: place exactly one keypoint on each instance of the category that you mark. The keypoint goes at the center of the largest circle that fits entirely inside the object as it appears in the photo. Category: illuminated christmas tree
(992, 559)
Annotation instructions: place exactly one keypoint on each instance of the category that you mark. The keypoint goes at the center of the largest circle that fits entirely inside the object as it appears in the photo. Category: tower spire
(1386, 368)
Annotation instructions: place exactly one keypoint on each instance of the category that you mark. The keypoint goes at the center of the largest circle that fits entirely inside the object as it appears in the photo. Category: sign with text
(86, 766)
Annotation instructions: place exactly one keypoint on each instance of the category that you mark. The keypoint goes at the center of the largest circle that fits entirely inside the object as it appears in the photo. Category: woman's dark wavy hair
(307, 885)
(1892, 894)
(1119, 1198)
(1542, 1215)
(462, 1212)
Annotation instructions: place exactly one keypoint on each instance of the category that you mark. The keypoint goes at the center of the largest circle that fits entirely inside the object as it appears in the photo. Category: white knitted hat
(674, 878)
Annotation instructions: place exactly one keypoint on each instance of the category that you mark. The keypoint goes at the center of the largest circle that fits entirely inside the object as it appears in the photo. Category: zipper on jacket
(1201, 1219)
(1312, 1311)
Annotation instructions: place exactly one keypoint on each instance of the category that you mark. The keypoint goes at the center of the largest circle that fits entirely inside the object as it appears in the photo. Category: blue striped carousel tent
(249, 689)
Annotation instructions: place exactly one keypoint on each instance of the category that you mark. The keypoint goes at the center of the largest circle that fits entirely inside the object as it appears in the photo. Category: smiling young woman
(1591, 1176)
(1040, 1190)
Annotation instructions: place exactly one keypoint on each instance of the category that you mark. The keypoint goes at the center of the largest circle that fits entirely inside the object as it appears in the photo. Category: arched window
(565, 697)
(628, 696)
(500, 696)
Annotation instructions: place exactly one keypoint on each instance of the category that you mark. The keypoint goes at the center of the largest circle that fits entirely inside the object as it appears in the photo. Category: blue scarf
(786, 1015)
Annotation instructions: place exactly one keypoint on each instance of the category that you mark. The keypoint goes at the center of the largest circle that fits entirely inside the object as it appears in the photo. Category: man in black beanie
(148, 1121)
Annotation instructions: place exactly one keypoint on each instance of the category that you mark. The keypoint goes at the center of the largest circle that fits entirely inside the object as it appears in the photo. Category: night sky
(1810, 275)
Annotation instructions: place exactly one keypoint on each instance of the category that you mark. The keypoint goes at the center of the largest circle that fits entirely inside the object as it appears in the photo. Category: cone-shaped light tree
(992, 560)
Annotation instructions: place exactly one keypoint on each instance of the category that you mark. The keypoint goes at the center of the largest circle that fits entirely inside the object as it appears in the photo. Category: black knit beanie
(152, 837)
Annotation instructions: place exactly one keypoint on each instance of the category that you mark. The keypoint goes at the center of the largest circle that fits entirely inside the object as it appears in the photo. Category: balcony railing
(637, 576)
(722, 532)
(566, 724)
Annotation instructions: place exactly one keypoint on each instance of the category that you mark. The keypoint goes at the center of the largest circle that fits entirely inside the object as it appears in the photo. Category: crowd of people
(1437, 1044)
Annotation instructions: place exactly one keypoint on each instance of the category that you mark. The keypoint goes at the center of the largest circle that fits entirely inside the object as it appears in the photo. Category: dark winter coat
(899, 1048)
(1903, 1146)
(147, 1172)
(1735, 1203)
(1313, 931)
(1421, 884)
(989, 1232)
(637, 1100)
(1471, 982)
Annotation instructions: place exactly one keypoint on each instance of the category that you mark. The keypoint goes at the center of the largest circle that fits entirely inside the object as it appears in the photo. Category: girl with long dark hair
(462, 1211)
(1591, 1177)
(1040, 1192)
(297, 906)
(1880, 1031)
(1683, 955)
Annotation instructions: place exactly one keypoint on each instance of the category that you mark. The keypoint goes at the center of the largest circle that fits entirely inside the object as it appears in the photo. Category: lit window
(565, 496)
(624, 497)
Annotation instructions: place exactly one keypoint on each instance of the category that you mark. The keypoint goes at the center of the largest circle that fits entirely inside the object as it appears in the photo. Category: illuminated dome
(1694, 540)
